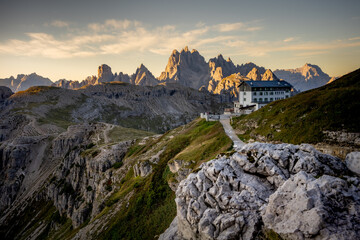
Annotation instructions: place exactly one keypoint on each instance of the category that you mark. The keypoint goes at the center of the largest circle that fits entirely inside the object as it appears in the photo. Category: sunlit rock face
(104, 74)
(293, 190)
(254, 75)
(269, 76)
(187, 68)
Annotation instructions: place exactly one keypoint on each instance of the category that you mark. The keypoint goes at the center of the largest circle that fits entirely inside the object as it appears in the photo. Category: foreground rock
(293, 190)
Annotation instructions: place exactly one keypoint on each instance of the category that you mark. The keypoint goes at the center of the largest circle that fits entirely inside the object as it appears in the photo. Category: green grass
(152, 207)
(304, 117)
(35, 90)
(61, 117)
(118, 134)
(39, 212)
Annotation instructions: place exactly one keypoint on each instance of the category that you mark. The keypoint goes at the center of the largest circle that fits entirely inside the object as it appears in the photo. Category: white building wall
(245, 98)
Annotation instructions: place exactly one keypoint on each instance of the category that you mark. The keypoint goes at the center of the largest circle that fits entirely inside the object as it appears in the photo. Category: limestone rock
(294, 190)
(269, 76)
(85, 175)
(104, 74)
(142, 169)
(246, 68)
(254, 75)
(186, 68)
(122, 77)
(353, 162)
(305, 208)
(230, 86)
(143, 77)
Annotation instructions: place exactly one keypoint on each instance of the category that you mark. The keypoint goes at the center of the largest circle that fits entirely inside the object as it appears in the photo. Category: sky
(70, 39)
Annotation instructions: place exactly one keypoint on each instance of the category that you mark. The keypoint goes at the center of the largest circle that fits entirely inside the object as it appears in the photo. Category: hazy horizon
(71, 39)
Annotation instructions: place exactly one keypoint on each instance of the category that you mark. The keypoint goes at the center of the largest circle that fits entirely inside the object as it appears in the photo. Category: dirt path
(106, 132)
(230, 132)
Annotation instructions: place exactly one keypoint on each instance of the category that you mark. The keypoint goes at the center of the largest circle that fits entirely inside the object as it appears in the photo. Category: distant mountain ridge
(23, 82)
(190, 69)
(304, 78)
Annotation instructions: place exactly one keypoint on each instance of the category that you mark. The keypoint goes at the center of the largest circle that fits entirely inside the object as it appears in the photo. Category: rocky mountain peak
(269, 75)
(174, 52)
(142, 67)
(143, 77)
(187, 68)
(254, 74)
(304, 78)
(104, 74)
(246, 68)
(30, 80)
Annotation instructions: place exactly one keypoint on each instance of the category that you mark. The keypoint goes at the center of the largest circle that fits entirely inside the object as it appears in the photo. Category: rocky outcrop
(220, 69)
(246, 68)
(269, 76)
(342, 138)
(63, 83)
(306, 208)
(293, 190)
(254, 75)
(230, 86)
(5, 93)
(304, 78)
(142, 169)
(352, 161)
(122, 77)
(104, 74)
(79, 186)
(143, 77)
(187, 68)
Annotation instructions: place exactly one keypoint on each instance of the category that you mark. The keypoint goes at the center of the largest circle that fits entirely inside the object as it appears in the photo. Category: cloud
(311, 53)
(114, 37)
(238, 26)
(290, 39)
(263, 48)
(354, 38)
(228, 27)
(59, 24)
(113, 24)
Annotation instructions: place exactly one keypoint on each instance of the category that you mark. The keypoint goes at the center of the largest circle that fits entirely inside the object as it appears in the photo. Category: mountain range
(101, 163)
(187, 68)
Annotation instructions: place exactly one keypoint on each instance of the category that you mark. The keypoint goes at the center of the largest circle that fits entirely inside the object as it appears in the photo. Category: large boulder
(293, 190)
(353, 162)
(305, 207)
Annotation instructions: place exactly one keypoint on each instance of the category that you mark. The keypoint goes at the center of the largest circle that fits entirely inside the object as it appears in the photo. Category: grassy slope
(152, 206)
(304, 117)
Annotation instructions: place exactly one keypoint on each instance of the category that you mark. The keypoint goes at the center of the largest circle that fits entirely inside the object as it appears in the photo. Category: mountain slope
(91, 189)
(148, 108)
(304, 78)
(314, 116)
